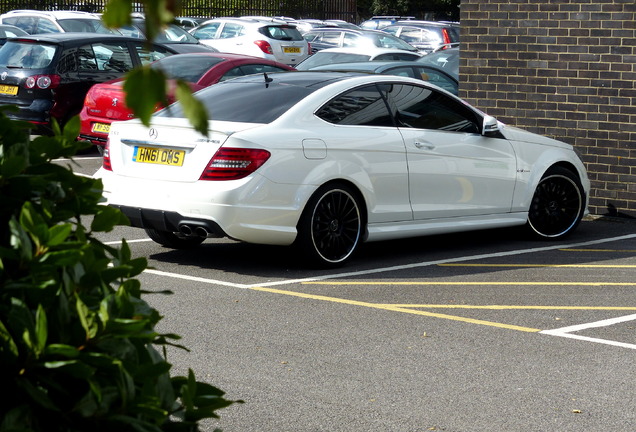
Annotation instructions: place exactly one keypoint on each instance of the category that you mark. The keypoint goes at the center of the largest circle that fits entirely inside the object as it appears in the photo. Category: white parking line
(385, 269)
(567, 332)
(444, 261)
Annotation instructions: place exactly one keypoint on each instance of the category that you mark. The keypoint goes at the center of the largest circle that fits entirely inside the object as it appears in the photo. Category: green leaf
(87, 318)
(41, 329)
(62, 350)
(144, 103)
(193, 108)
(107, 218)
(117, 13)
(73, 368)
(72, 128)
(8, 347)
(59, 233)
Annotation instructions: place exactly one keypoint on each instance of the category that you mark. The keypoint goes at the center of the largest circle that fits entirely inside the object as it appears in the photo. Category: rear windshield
(26, 55)
(84, 26)
(320, 59)
(284, 33)
(247, 101)
(173, 66)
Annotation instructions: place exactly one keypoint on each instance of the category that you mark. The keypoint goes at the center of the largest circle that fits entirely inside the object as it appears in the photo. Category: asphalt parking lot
(484, 331)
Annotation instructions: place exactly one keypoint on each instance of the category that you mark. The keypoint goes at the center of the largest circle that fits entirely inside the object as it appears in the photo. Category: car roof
(227, 56)
(415, 23)
(365, 50)
(251, 20)
(371, 65)
(54, 14)
(72, 36)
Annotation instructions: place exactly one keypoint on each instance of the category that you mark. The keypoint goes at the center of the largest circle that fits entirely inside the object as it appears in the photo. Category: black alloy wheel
(331, 226)
(557, 205)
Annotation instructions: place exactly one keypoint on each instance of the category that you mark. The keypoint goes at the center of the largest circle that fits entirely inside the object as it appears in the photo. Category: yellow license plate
(8, 89)
(101, 127)
(291, 50)
(158, 156)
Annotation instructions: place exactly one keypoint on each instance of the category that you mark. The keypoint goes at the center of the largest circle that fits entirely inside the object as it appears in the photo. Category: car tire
(172, 240)
(557, 205)
(331, 226)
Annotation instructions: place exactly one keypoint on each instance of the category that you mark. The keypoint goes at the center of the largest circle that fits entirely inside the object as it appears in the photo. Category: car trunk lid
(172, 151)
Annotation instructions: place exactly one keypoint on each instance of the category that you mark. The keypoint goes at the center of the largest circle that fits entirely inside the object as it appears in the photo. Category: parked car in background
(412, 69)
(304, 25)
(47, 76)
(105, 102)
(446, 59)
(9, 31)
(336, 37)
(338, 160)
(346, 55)
(343, 24)
(272, 39)
(39, 22)
(188, 23)
(171, 35)
(426, 36)
(378, 22)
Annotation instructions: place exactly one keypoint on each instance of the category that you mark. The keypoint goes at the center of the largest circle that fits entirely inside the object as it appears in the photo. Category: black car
(48, 76)
(337, 37)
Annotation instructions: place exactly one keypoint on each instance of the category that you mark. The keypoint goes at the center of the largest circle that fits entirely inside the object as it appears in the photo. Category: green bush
(78, 346)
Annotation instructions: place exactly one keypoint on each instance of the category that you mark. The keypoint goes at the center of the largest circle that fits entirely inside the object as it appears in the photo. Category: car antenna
(267, 79)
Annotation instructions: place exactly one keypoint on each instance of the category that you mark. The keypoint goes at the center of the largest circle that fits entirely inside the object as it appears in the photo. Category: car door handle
(424, 145)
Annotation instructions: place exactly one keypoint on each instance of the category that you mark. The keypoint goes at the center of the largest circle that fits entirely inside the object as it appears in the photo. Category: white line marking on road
(450, 260)
(566, 332)
(128, 241)
(393, 268)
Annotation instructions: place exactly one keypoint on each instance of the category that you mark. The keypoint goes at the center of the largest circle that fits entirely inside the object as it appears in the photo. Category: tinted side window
(47, 26)
(364, 106)
(148, 55)
(310, 36)
(112, 57)
(207, 31)
(25, 23)
(231, 30)
(331, 38)
(422, 108)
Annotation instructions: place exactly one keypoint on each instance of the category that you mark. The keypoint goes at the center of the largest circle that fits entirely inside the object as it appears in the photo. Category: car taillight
(234, 163)
(308, 48)
(42, 81)
(446, 37)
(106, 157)
(264, 46)
(89, 100)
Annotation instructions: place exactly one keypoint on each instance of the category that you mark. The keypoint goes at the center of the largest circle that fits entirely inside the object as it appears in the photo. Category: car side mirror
(490, 127)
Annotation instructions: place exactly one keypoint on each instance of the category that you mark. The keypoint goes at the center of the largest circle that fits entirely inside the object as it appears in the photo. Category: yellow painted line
(395, 309)
(429, 283)
(515, 307)
(541, 265)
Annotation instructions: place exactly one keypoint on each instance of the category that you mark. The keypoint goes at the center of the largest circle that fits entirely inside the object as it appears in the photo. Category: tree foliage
(78, 345)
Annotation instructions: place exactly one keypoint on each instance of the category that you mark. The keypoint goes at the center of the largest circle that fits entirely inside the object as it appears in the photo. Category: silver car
(271, 39)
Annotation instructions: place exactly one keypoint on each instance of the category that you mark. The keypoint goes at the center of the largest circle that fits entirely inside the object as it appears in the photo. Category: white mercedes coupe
(327, 161)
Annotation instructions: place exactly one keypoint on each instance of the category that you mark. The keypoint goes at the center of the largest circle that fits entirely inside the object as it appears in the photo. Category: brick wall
(565, 69)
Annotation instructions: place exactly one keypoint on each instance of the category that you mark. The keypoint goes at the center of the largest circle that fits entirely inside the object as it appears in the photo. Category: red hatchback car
(104, 102)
